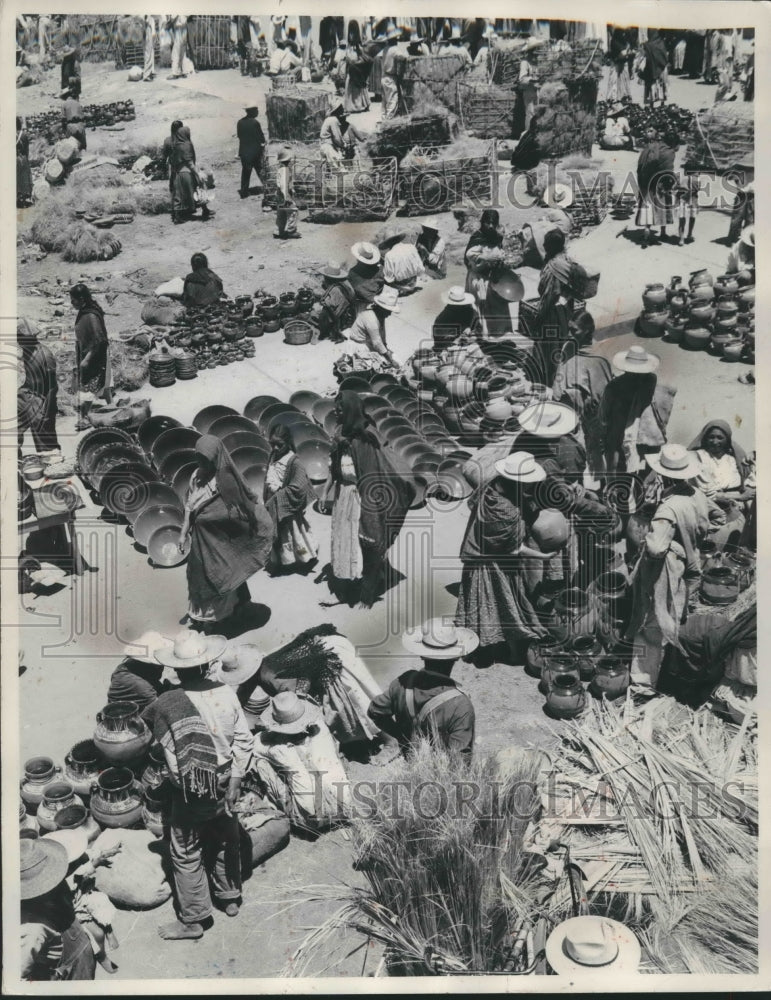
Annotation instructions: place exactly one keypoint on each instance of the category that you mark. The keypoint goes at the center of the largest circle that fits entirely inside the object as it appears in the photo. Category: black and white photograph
(383, 598)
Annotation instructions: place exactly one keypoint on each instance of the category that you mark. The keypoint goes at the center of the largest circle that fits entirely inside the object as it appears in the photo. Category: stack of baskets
(185, 366)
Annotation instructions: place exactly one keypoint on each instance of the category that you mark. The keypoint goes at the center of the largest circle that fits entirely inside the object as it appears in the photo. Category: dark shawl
(656, 57)
(639, 394)
(359, 71)
(293, 497)
(385, 495)
(706, 640)
(496, 528)
(366, 280)
(91, 336)
(480, 239)
(179, 149)
(655, 165)
(581, 379)
(202, 288)
(304, 659)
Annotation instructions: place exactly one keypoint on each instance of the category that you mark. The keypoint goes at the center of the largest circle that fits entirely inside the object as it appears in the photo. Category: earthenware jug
(747, 297)
(38, 773)
(564, 665)
(675, 287)
(701, 277)
(57, 796)
(120, 733)
(696, 337)
(116, 798)
(155, 772)
(702, 293)
(674, 329)
(155, 809)
(566, 698)
(727, 306)
(719, 581)
(701, 312)
(585, 650)
(611, 677)
(743, 561)
(26, 822)
(726, 284)
(575, 611)
(77, 817)
(81, 767)
(654, 296)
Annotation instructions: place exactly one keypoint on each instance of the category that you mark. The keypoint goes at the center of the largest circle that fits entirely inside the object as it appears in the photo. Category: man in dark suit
(251, 146)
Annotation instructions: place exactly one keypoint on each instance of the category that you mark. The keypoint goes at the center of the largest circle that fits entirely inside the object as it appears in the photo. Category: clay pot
(654, 297)
(717, 340)
(287, 305)
(727, 307)
(701, 277)
(156, 772)
(747, 297)
(611, 677)
(155, 810)
(566, 698)
(702, 293)
(460, 388)
(245, 304)
(81, 767)
(443, 375)
(498, 410)
(120, 733)
(726, 284)
(427, 372)
(696, 337)
(726, 324)
(575, 612)
(540, 652)
(733, 349)
(679, 302)
(57, 796)
(585, 650)
(701, 313)
(675, 287)
(77, 817)
(38, 773)
(561, 665)
(651, 324)
(116, 799)
(26, 822)
(674, 331)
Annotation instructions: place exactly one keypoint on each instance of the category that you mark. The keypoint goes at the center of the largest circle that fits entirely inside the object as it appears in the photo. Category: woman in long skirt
(655, 180)
(93, 372)
(230, 532)
(23, 171)
(287, 495)
(179, 151)
(358, 60)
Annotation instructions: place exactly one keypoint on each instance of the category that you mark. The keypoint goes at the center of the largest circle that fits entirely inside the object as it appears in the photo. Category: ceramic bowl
(375, 407)
(95, 439)
(304, 400)
(154, 495)
(321, 410)
(153, 518)
(104, 458)
(257, 405)
(241, 439)
(314, 456)
(290, 419)
(230, 424)
(355, 383)
(428, 466)
(181, 481)
(174, 439)
(414, 453)
(152, 428)
(270, 413)
(163, 546)
(450, 485)
(254, 477)
(330, 424)
(301, 433)
(121, 487)
(173, 462)
(380, 382)
(242, 458)
(206, 417)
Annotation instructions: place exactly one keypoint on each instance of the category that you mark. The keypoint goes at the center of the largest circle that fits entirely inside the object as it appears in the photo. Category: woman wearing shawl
(23, 172)
(483, 254)
(655, 181)
(178, 149)
(40, 378)
(723, 476)
(359, 59)
(287, 495)
(230, 532)
(556, 306)
(370, 503)
(654, 70)
(618, 77)
(501, 567)
(92, 349)
(202, 285)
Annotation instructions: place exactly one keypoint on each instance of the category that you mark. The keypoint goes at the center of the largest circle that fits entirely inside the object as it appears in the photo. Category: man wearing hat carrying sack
(251, 148)
(208, 749)
(428, 703)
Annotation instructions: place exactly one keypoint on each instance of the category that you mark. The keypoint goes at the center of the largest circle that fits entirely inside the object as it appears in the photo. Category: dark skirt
(23, 179)
(183, 193)
(497, 603)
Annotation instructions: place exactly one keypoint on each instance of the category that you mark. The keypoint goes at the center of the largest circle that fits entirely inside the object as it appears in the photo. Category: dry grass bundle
(722, 137)
(438, 178)
(426, 80)
(83, 242)
(463, 148)
(130, 368)
(296, 114)
(427, 127)
(151, 199)
(487, 110)
(100, 176)
(448, 885)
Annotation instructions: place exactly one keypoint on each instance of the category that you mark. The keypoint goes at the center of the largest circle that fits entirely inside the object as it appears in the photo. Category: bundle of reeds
(209, 38)
(296, 115)
(487, 110)
(130, 367)
(398, 136)
(565, 117)
(437, 178)
(430, 79)
(449, 886)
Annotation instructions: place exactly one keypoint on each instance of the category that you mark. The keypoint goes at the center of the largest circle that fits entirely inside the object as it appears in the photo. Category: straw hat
(367, 253)
(290, 714)
(191, 649)
(148, 645)
(675, 462)
(285, 156)
(591, 944)
(239, 662)
(558, 196)
(43, 866)
(388, 299)
(335, 270)
(431, 223)
(337, 109)
(520, 467)
(458, 296)
(74, 842)
(393, 31)
(548, 420)
(254, 707)
(636, 359)
(434, 640)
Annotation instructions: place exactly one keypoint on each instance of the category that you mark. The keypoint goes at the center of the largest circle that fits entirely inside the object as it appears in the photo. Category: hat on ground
(254, 707)
(290, 714)
(636, 359)
(558, 196)
(430, 223)
(458, 296)
(591, 944)
(74, 842)
(367, 253)
(520, 467)
(388, 299)
(748, 236)
(335, 270)
(146, 646)
(191, 649)
(675, 462)
(239, 662)
(548, 419)
(284, 156)
(43, 865)
(435, 640)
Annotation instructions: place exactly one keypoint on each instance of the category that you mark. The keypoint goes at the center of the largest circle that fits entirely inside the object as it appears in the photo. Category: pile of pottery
(714, 313)
(478, 396)
(49, 122)
(211, 336)
(111, 464)
(310, 421)
(116, 779)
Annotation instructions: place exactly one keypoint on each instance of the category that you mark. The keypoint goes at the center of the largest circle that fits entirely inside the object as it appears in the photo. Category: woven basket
(298, 332)
(285, 81)
(487, 111)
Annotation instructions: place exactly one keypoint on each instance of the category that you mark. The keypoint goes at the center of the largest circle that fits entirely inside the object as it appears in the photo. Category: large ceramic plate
(154, 495)
(254, 477)
(181, 481)
(242, 458)
(257, 405)
(321, 410)
(104, 458)
(304, 401)
(223, 426)
(206, 417)
(153, 518)
(301, 433)
(95, 439)
(314, 456)
(152, 428)
(355, 383)
(174, 462)
(174, 439)
(242, 439)
(163, 546)
(270, 413)
(120, 489)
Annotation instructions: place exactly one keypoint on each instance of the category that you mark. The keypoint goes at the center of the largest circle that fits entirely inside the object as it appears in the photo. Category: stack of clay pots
(654, 315)
(214, 335)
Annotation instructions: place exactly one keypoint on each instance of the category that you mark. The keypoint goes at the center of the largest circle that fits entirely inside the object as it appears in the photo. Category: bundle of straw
(448, 889)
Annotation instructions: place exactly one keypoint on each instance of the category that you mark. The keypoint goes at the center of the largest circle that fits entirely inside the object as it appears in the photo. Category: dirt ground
(72, 639)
